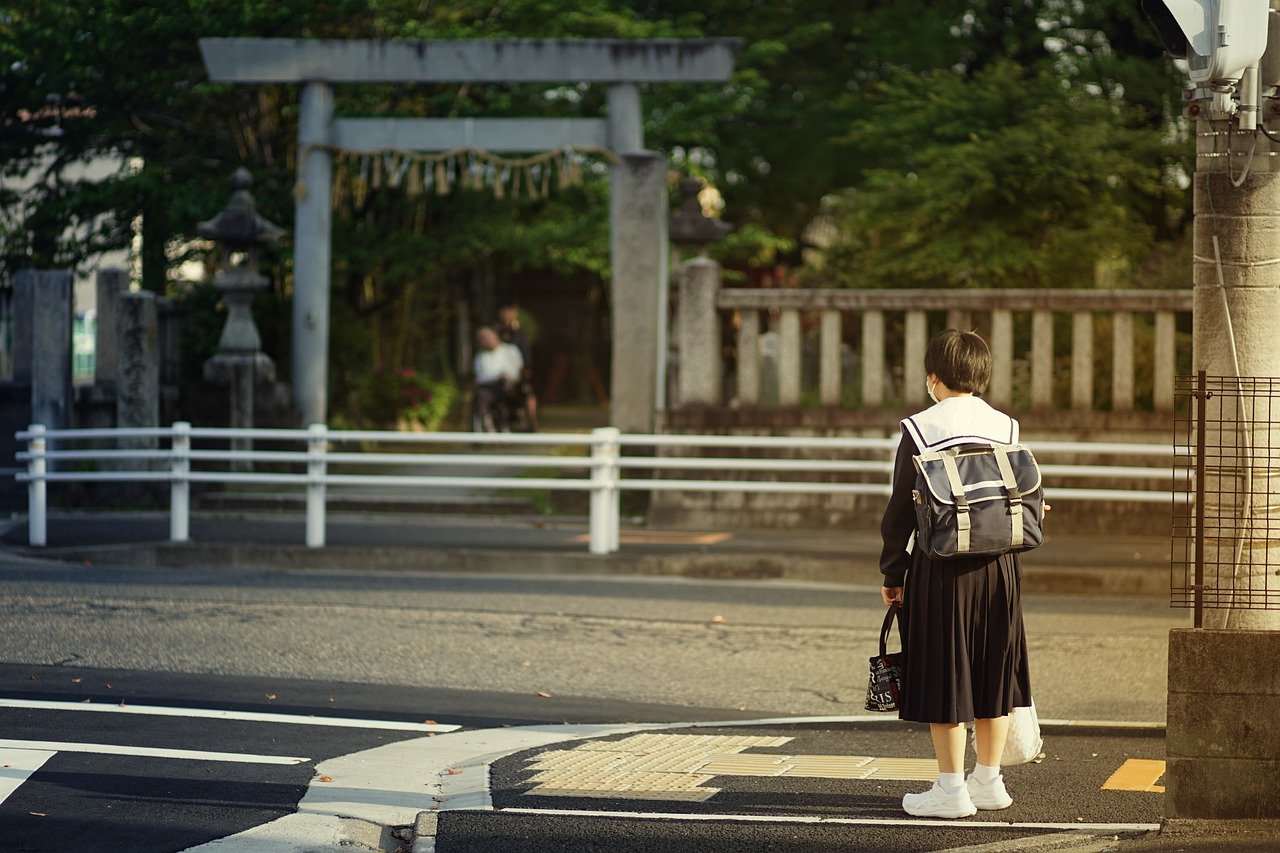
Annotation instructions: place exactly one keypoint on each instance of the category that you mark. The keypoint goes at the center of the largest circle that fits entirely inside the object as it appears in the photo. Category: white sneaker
(936, 802)
(990, 796)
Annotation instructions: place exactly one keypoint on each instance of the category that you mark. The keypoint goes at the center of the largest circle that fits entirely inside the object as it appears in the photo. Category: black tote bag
(885, 686)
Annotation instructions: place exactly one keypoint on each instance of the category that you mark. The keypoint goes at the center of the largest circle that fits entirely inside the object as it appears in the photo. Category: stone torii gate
(638, 206)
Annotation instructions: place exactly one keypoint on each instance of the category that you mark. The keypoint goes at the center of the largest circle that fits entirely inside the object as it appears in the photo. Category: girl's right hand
(891, 594)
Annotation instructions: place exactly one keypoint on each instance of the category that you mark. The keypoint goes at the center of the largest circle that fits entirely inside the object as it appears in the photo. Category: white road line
(149, 752)
(825, 819)
(212, 714)
(16, 765)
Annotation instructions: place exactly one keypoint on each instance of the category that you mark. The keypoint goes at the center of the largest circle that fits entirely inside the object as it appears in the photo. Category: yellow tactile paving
(678, 767)
(1137, 774)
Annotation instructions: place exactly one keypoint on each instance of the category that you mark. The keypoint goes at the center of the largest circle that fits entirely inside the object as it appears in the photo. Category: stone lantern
(696, 357)
(689, 227)
(240, 362)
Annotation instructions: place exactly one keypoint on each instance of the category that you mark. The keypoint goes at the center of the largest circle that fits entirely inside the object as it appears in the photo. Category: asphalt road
(776, 646)
(193, 777)
(480, 652)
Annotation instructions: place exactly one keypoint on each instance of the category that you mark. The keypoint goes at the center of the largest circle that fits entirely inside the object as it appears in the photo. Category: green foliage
(1006, 178)
(388, 398)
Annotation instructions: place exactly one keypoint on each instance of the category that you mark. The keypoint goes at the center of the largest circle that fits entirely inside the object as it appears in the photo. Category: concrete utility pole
(1237, 266)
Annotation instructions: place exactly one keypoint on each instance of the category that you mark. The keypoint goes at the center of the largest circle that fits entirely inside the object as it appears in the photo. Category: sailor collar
(960, 420)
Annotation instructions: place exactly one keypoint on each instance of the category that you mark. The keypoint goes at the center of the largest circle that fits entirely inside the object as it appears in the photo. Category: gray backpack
(978, 500)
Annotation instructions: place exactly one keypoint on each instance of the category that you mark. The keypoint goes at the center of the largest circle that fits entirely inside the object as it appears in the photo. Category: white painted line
(16, 765)
(212, 714)
(149, 752)
(826, 819)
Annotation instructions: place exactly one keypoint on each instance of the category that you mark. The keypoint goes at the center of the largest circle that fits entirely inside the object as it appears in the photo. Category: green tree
(1004, 178)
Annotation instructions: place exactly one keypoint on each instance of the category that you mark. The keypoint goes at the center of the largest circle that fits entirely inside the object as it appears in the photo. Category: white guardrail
(603, 467)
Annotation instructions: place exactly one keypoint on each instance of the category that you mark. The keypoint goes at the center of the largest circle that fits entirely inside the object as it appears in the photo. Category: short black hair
(962, 360)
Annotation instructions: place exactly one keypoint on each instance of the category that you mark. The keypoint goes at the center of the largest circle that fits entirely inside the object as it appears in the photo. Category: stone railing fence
(763, 366)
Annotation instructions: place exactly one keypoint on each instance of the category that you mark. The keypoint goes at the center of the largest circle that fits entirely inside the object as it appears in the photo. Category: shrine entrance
(638, 203)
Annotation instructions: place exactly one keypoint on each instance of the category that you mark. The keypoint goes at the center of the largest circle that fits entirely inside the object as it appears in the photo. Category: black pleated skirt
(964, 645)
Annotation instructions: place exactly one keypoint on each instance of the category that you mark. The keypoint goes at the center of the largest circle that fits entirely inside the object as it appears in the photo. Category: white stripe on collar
(960, 420)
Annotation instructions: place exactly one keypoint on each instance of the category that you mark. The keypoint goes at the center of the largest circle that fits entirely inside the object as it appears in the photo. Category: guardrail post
(36, 494)
(604, 491)
(317, 448)
(179, 484)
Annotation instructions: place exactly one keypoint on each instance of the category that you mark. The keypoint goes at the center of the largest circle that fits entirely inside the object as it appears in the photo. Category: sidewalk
(803, 784)
(817, 784)
(1115, 565)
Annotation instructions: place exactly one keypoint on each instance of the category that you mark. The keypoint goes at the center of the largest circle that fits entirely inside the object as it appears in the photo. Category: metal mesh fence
(1226, 501)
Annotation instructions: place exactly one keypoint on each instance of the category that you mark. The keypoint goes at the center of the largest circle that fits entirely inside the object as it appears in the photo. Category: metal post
(603, 524)
(317, 446)
(179, 484)
(36, 523)
(1202, 403)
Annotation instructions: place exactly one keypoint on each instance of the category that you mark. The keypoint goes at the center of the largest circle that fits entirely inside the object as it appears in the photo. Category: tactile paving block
(678, 766)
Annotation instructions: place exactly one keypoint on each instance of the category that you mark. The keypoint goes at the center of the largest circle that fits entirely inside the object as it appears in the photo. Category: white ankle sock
(950, 782)
(986, 775)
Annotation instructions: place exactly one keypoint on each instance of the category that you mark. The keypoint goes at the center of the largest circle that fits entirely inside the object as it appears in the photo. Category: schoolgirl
(964, 646)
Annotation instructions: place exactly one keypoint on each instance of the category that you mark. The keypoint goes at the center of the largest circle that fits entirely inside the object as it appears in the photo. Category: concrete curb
(1041, 580)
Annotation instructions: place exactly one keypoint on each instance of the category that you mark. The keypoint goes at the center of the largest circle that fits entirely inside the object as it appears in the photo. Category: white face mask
(929, 390)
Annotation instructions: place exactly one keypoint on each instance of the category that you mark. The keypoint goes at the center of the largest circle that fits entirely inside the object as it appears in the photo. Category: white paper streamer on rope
(357, 173)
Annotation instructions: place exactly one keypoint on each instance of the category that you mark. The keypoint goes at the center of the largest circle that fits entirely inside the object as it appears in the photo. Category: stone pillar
(1001, 393)
(789, 362)
(1122, 361)
(1164, 357)
(137, 363)
(626, 120)
(872, 358)
(1041, 359)
(699, 334)
(42, 345)
(311, 251)
(1082, 360)
(638, 240)
(110, 283)
(914, 344)
(749, 357)
(829, 359)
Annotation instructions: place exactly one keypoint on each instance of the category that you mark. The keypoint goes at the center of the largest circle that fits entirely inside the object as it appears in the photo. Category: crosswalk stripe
(17, 765)
(214, 714)
(149, 752)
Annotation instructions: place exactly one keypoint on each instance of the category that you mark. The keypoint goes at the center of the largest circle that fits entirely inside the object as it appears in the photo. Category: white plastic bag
(1024, 743)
